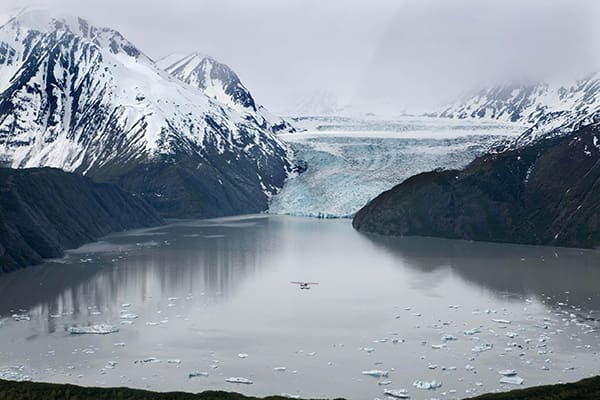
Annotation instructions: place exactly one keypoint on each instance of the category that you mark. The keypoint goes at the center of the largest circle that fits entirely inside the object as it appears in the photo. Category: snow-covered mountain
(545, 109)
(221, 83)
(85, 99)
(320, 102)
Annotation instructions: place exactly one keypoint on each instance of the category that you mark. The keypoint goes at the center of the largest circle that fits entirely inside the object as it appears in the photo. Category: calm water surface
(206, 292)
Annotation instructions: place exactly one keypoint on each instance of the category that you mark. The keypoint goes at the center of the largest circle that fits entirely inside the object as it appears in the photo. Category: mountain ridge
(86, 100)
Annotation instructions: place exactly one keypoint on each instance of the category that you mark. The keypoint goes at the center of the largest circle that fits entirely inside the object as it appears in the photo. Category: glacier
(350, 161)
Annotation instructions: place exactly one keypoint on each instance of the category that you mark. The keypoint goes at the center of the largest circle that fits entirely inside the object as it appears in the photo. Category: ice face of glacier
(87, 100)
(349, 162)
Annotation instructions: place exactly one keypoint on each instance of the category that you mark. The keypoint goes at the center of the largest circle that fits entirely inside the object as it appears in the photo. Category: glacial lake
(214, 296)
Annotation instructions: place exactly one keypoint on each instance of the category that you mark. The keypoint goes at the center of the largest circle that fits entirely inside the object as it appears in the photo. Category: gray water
(206, 291)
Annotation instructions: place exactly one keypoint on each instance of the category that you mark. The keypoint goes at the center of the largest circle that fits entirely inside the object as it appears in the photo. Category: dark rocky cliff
(547, 193)
(44, 211)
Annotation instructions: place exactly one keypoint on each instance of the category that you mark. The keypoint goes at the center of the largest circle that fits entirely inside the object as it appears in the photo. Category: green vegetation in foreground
(11, 390)
(586, 389)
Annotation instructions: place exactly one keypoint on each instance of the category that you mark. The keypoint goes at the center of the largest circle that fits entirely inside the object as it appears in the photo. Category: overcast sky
(373, 54)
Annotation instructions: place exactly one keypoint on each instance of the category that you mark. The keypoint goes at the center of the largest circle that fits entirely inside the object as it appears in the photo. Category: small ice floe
(368, 349)
(425, 385)
(126, 305)
(398, 393)
(243, 355)
(502, 321)
(100, 329)
(469, 367)
(279, 369)
(95, 313)
(471, 332)
(194, 374)
(482, 348)
(119, 344)
(111, 365)
(432, 366)
(174, 361)
(244, 381)
(438, 346)
(384, 383)
(290, 396)
(377, 373)
(447, 337)
(128, 316)
(512, 380)
(455, 306)
(508, 372)
(147, 360)
(511, 335)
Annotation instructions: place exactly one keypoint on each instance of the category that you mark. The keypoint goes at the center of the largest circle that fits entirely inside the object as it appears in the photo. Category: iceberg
(376, 373)
(425, 385)
(482, 348)
(471, 332)
(194, 374)
(100, 329)
(512, 380)
(508, 372)
(398, 393)
(244, 381)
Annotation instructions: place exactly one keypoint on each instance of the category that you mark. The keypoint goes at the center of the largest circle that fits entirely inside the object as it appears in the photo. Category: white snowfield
(548, 109)
(79, 97)
(352, 161)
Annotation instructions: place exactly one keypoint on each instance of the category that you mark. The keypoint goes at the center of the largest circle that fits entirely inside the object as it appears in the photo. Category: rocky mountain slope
(85, 99)
(45, 211)
(222, 84)
(546, 193)
(546, 110)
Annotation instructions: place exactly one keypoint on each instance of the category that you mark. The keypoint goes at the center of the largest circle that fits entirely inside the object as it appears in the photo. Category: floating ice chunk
(244, 381)
(425, 385)
(128, 316)
(101, 329)
(432, 366)
(377, 373)
(14, 374)
(110, 365)
(384, 383)
(512, 380)
(174, 361)
(368, 349)
(482, 348)
(508, 372)
(290, 396)
(511, 335)
(455, 306)
(243, 355)
(448, 337)
(126, 305)
(398, 393)
(194, 374)
(148, 360)
(279, 369)
(502, 321)
(438, 346)
(469, 367)
(470, 332)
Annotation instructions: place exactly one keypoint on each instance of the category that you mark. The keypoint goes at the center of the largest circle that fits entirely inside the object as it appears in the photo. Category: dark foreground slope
(586, 389)
(45, 211)
(547, 194)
